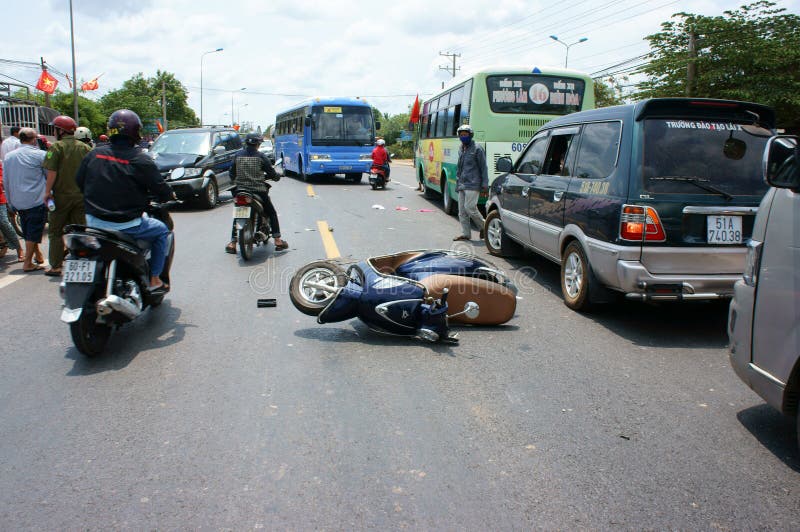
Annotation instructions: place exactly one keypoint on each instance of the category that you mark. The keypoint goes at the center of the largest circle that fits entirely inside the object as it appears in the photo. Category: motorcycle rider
(116, 180)
(380, 158)
(247, 174)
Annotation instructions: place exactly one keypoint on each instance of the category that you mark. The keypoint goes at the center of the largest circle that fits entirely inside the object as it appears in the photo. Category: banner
(47, 83)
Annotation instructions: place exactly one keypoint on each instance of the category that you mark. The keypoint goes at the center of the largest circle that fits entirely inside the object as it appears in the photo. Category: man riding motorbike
(247, 174)
(117, 180)
(380, 158)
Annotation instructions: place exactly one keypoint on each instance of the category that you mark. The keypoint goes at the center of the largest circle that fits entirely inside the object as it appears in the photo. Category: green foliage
(91, 113)
(607, 95)
(144, 96)
(750, 54)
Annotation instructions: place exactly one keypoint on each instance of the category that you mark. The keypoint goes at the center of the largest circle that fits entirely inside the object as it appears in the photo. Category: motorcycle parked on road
(408, 293)
(106, 279)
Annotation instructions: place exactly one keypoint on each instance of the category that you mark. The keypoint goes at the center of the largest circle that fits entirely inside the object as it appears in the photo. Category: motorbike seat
(388, 264)
(497, 302)
(125, 237)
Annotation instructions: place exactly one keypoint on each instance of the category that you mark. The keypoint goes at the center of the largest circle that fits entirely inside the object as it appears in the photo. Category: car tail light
(752, 262)
(242, 199)
(639, 223)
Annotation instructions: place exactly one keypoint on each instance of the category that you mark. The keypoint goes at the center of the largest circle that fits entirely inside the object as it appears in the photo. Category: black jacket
(117, 181)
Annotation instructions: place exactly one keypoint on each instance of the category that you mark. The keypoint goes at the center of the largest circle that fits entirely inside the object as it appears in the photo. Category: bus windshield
(535, 94)
(341, 125)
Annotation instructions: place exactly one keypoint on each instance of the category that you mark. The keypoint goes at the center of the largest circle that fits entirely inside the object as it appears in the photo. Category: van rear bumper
(636, 282)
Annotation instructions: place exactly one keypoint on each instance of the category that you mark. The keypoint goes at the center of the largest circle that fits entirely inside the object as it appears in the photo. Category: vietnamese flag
(414, 112)
(90, 85)
(47, 83)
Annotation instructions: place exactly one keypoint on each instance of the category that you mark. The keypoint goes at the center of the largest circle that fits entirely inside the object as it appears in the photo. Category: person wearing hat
(62, 162)
(84, 135)
(247, 174)
(472, 178)
(380, 157)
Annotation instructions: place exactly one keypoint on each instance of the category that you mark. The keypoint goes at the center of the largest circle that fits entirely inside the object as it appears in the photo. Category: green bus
(505, 107)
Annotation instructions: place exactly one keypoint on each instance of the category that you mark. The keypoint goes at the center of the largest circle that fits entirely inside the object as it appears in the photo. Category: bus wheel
(449, 204)
(300, 171)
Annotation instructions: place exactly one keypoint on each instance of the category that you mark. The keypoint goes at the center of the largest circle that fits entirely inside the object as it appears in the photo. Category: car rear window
(694, 156)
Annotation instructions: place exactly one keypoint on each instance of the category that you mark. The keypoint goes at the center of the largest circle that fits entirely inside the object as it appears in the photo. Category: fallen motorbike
(407, 293)
(252, 226)
(106, 279)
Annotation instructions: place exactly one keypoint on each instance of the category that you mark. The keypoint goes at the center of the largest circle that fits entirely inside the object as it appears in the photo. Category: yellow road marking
(327, 240)
(310, 191)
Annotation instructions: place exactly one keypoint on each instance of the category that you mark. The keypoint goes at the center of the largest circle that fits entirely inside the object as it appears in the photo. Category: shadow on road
(156, 329)
(774, 431)
(686, 324)
(361, 334)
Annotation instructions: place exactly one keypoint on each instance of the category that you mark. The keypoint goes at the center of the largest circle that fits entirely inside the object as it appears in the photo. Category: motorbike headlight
(365, 157)
(320, 157)
(73, 241)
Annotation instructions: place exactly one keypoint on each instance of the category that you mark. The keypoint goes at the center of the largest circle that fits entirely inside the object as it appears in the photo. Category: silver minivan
(764, 316)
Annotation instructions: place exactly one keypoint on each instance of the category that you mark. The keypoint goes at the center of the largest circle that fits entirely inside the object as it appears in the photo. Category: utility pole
(74, 79)
(164, 103)
(691, 67)
(46, 95)
(452, 69)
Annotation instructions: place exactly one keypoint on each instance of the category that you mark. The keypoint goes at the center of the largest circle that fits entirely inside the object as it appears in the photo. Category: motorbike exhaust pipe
(113, 303)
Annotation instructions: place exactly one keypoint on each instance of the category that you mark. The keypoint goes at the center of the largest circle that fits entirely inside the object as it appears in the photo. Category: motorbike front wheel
(315, 285)
(89, 336)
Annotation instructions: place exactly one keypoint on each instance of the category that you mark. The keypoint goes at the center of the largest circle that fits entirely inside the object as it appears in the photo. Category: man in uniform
(62, 162)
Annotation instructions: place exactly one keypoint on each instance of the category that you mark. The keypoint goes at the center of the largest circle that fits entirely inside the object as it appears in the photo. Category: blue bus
(326, 136)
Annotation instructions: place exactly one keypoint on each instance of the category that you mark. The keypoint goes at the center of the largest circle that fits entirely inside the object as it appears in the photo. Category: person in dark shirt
(117, 181)
(247, 173)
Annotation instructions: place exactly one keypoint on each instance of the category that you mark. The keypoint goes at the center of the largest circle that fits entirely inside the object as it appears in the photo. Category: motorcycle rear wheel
(89, 336)
(325, 276)
(246, 240)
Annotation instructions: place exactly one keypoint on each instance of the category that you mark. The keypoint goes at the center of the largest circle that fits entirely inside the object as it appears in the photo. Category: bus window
(456, 120)
(441, 120)
(450, 128)
(465, 107)
(423, 132)
(432, 126)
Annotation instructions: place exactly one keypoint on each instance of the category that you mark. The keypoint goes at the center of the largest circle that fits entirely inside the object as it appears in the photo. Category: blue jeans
(155, 232)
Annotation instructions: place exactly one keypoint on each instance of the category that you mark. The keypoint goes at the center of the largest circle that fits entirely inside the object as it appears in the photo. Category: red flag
(236, 127)
(159, 126)
(89, 85)
(47, 83)
(415, 111)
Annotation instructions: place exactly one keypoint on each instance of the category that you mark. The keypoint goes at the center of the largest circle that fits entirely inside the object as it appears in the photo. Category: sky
(278, 52)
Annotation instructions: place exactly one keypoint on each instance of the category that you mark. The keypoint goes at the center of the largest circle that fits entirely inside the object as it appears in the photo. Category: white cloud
(344, 47)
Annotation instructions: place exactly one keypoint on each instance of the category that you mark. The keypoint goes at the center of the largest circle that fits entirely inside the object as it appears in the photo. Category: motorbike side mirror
(472, 310)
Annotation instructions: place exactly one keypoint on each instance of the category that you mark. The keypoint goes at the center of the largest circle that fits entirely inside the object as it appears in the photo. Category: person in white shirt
(10, 144)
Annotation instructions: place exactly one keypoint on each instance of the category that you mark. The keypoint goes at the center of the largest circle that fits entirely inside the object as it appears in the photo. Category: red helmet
(103, 138)
(64, 123)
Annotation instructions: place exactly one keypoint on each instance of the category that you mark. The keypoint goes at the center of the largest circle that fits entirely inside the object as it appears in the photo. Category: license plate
(241, 212)
(724, 229)
(79, 271)
(345, 168)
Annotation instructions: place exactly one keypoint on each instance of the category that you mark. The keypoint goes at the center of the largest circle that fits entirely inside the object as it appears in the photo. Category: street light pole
(201, 81)
(239, 113)
(566, 57)
(232, 93)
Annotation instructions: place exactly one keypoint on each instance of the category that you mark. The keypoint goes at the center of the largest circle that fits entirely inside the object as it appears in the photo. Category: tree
(91, 114)
(144, 96)
(750, 54)
(607, 95)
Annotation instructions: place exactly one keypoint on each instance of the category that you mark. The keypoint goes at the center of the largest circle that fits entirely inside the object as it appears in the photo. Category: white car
(268, 148)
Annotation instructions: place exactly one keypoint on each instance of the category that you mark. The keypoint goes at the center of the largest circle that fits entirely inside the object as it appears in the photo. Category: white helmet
(83, 133)
(381, 142)
(467, 128)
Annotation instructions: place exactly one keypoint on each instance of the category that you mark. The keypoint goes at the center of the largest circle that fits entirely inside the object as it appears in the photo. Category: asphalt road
(211, 413)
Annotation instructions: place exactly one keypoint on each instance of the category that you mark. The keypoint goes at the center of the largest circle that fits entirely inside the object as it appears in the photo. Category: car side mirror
(219, 150)
(504, 165)
(782, 162)
(307, 121)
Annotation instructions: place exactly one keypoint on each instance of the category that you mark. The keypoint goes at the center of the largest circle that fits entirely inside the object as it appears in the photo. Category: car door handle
(557, 195)
(525, 192)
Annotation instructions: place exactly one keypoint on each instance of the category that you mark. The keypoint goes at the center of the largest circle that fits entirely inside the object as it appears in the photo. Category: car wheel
(449, 204)
(210, 195)
(315, 285)
(577, 279)
(497, 242)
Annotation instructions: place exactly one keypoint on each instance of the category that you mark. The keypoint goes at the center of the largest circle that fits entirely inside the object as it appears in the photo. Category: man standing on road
(62, 162)
(25, 186)
(472, 178)
(10, 144)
